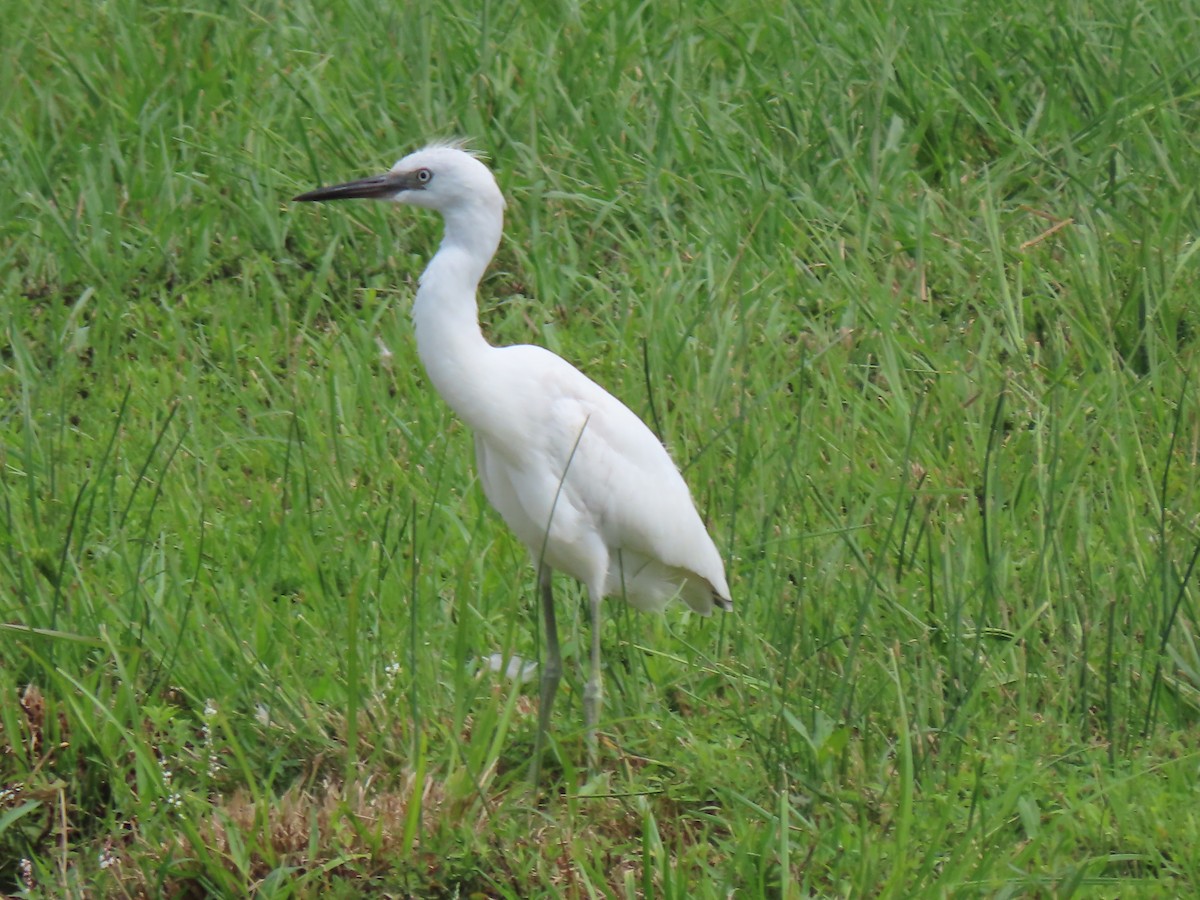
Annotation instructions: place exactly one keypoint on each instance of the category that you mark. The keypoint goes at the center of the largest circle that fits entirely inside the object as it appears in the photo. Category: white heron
(579, 477)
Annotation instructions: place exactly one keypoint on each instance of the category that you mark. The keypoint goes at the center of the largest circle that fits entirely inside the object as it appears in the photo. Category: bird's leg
(551, 671)
(593, 691)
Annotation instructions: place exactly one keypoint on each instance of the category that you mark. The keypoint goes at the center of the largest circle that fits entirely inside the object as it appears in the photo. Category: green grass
(909, 290)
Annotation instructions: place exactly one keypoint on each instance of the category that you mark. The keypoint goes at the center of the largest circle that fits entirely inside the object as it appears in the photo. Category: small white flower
(210, 709)
(25, 868)
(107, 859)
(214, 760)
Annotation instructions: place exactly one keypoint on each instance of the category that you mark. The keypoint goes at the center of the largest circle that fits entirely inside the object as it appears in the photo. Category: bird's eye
(424, 176)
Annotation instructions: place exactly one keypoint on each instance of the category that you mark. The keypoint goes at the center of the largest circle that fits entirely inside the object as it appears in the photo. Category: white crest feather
(456, 143)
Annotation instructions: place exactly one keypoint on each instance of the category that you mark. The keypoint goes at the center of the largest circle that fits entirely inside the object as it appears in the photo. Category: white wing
(621, 518)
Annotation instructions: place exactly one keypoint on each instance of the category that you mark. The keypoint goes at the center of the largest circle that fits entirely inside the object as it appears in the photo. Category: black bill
(377, 187)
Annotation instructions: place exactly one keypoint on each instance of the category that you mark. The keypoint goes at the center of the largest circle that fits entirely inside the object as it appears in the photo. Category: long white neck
(445, 315)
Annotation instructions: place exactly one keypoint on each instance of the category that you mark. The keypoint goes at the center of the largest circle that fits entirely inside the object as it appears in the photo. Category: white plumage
(581, 480)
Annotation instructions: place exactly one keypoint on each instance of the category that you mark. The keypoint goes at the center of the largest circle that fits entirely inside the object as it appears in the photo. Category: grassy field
(910, 291)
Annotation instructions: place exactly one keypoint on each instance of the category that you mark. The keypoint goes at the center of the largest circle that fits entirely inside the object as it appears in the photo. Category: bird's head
(444, 177)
